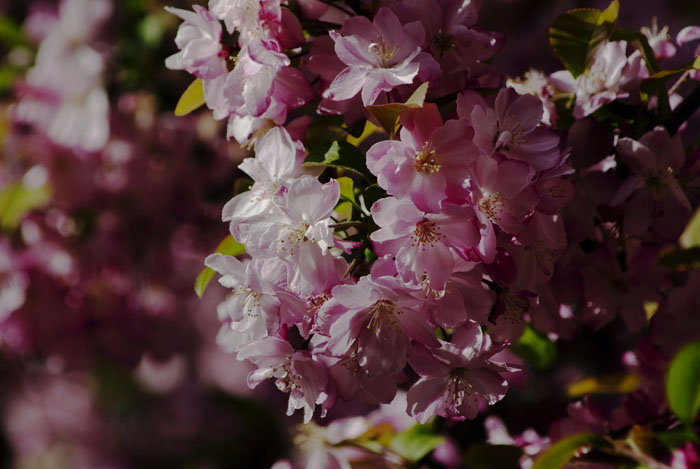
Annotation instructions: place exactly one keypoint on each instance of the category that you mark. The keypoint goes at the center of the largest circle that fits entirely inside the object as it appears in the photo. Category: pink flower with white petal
(659, 40)
(605, 81)
(295, 372)
(499, 195)
(199, 41)
(425, 245)
(379, 55)
(429, 163)
(298, 231)
(375, 321)
(653, 199)
(277, 162)
(512, 127)
(251, 311)
(456, 376)
(686, 35)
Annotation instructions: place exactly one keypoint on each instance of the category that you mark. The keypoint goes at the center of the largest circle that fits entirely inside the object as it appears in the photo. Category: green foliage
(683, 383)
(563, 451)
(416, 442)
(341, 155)
(347, 191)
(11, 33)
(388, 114)
(192, 99)
(681, 258)
(577, 34)
(18, 199)
(535, 348)
(677, 437)
(228, 247)
(492, 457)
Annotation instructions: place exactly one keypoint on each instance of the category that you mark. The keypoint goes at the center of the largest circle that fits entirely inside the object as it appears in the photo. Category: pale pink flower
(455, 376)
(466, 298)
(295, 372)
(686, 35)
(277, 162)
(659, 40)
(374, 321)
(609, 74)
(512, 127)
(425, 245)
(430, 162)
(652, 197)
(380, 55)
(199, 41)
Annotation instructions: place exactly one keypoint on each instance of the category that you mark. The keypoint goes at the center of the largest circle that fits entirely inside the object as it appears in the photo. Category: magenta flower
(426, 246)
(511, 128)
(379, 55)
(295, 372)
(429, 164)
(455, 376)
(199, 41)
(375, 320)
(653, 198)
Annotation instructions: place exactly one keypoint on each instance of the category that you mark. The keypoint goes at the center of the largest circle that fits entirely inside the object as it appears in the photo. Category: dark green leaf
(535, 348)
(416, 442)
(563, 451)
(492, 457)
(228, 247)
(11, 33)
(341, 155)
(388, 114)
(677, 437)
(577, 34)
(683, 383)
(681, 258)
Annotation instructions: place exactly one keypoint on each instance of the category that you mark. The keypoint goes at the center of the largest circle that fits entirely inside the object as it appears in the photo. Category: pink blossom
(653, 199)
(199, 41)
(295, 372)
(277, 163)
(455, 376)
(425, 246)
(511, 128)
(379, 55)
(429, 163)
(606, 80)
(659, 40)
(374, 321)
(466, 298)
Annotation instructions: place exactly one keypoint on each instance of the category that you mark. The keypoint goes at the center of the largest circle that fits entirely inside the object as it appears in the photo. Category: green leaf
(341, 155)
(683, 383)
(691, 235)
(576, 35)
(535, 348)
(681, 258)
(151, 29)
(696, 63)
(191, 99)
(347, 191)
(242, 184)
(617, 383)
(228, 247)
(492, 457)
(388, 114)
(677, 437)
(18, 199)
(563, 451)
(11, 33)
(416, 442)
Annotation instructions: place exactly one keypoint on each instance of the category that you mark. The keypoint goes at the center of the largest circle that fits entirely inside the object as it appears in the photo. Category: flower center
(657, 181)
(491, 205)
(295, 235)
(427, 160)
(382, 314)
(443, 42)
(383, 52)
(426, 232)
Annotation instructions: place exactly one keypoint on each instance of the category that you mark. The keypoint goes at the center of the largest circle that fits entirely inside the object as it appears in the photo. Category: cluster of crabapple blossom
(470, 220)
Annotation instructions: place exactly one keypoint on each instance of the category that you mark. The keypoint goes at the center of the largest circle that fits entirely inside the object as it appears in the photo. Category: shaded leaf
(683, 383)
(576, 35)
(535, 348)
(677, 437)
(563, 451)
(228, 247)
(11, 33)
(19, 199)
(619, 383)
(416, 442)
(691, 235)
(191, 99)
(388, 114)
(681, 258)
(492, 457)
(341, 155)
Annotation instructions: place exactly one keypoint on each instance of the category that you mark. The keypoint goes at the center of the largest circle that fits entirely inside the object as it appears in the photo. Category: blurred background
(108, 206)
